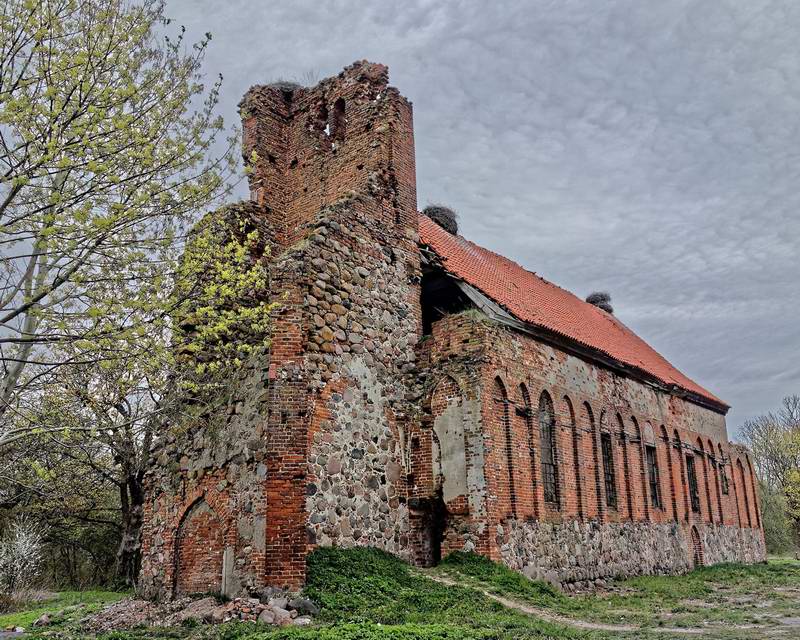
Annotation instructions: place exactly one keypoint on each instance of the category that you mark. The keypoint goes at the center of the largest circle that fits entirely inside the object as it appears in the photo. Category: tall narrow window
(608, 470)
(723, 472)
(652, 476)
(694, 492)
(547, 435)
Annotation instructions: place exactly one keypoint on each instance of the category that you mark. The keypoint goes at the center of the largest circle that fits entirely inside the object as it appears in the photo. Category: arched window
(547, 445)
(529, 428)
(691, 476)
(607, 456)
(576, 459)
(505, 424)
(640, 463)
(753, 487)
(338, 120)
(651, 461)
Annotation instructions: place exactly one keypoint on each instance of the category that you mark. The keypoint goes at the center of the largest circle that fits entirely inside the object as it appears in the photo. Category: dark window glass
(694, 493)
(547, 431)
(608, 470)
(652, 475)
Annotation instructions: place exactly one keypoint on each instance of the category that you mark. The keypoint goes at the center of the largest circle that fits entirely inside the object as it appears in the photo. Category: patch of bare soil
(130, 612)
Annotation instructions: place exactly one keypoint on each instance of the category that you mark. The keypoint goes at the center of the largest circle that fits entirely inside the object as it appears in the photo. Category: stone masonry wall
(578, 553)
(364, 320)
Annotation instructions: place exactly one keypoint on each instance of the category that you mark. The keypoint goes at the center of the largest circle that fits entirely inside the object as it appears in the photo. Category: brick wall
(518, 375)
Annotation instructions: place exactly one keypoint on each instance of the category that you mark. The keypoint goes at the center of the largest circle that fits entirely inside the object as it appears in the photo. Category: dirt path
(549, 616)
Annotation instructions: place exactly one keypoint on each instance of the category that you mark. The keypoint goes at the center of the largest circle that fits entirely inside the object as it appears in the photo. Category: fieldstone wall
(583, 552)
(575, 554)
(732, 544)
(355, 474)
(364, 324)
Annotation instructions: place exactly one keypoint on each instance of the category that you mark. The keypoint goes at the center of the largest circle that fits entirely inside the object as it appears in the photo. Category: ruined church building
(424, 395)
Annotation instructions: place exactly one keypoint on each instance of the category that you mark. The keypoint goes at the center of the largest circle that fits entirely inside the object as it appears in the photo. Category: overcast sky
(650, 149)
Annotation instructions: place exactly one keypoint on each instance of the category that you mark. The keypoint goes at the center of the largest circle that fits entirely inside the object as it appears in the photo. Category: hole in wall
(338, 120)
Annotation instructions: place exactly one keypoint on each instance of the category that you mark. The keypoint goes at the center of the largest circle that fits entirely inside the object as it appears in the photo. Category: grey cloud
(647, 148)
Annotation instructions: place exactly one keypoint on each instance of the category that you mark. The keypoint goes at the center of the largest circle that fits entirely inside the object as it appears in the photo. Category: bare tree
(773, 439)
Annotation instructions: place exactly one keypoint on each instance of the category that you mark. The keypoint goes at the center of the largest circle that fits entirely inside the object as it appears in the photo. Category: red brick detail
(199, 551)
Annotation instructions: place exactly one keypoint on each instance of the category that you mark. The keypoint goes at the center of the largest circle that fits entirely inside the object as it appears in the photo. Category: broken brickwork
(398, 406)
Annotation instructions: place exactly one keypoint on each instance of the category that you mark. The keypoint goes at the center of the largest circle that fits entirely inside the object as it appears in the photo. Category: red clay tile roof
(538, 302)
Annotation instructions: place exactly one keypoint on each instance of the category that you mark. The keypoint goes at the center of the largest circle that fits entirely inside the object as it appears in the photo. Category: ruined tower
(313, 435)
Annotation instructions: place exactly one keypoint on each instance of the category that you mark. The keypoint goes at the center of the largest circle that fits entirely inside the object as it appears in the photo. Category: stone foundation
(580, 552)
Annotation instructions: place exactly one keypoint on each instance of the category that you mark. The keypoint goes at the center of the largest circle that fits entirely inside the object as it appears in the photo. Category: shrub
(21, 555)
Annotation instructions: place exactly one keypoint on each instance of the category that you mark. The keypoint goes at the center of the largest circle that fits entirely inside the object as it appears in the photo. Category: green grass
(370, 586)
(721, 595)
(366, 594)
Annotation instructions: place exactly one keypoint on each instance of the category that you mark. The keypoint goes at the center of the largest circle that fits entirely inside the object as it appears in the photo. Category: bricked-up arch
(753, 488)
(743, 485)
(548, 449)
(504, 415)
(577, 472)
(449, 507)
(592, 478)
(677, 445)
(449, 464)
(527, 412)
(199, 551)
(626, 466)
(671, 471)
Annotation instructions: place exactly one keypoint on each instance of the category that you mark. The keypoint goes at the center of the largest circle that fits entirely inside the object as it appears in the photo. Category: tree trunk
(129, 552)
